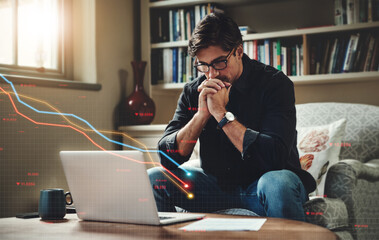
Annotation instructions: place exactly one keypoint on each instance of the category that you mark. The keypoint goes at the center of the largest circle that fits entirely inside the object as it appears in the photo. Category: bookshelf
(302, 33)
(311, 21)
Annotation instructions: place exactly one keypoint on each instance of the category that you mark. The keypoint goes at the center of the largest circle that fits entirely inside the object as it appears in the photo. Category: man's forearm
(234, 130)
(189, 134)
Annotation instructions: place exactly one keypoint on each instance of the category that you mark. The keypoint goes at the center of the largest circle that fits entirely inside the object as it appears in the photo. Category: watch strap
(222, 123)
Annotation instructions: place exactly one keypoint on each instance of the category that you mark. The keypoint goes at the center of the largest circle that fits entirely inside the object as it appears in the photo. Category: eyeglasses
(217, 65)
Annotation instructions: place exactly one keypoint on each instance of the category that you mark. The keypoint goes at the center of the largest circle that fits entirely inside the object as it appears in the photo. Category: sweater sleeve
(168, 149)
(269, 148)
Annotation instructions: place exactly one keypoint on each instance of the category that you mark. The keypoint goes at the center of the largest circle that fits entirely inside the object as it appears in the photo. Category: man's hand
(216, 103)
(188, 135)
(214, 83)
(203, 111)
(207, 88)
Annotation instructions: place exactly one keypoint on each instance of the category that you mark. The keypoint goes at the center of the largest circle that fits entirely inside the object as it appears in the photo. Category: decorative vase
(140, 108)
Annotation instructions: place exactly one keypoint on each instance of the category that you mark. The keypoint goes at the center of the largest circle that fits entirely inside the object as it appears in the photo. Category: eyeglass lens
(219, 65)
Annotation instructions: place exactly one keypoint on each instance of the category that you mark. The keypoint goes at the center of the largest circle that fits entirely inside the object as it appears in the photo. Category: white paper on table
(226, 224)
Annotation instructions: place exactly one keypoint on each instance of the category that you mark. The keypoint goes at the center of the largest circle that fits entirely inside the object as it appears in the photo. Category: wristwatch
(229, 117)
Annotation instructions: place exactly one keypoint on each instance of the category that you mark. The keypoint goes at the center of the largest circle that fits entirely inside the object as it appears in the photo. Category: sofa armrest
(368, 171)
(357, 185)
(342, 177)
(327, 212)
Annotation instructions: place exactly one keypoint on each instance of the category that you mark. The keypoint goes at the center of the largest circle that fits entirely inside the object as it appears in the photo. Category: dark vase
(140, 108)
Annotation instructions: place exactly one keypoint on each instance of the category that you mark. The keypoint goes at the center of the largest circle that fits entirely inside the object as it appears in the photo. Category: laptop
(113, 186)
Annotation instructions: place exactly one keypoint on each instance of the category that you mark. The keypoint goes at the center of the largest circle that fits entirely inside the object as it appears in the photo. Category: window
(32, 39)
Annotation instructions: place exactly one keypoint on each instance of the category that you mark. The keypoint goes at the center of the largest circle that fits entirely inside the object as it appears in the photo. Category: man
(245, 121)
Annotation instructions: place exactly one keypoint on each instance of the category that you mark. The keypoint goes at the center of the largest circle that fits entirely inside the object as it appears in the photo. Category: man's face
(214, 54)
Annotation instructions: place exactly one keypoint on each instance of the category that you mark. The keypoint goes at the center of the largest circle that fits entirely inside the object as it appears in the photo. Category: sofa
(350, 207)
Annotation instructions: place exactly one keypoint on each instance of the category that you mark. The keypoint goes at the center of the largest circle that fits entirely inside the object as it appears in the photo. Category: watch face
(229, 116)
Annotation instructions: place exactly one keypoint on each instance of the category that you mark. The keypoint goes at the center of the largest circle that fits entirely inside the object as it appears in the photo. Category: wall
(349, 92)
(29, 158)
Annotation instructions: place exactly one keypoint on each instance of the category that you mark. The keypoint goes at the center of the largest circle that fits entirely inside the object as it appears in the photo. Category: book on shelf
(274, 54)
(289, 59)
(324, 56)
(355, 11)
(255, 49)
(279, 54)
(267, 54)
(167, 68)
(251, 49)
(177, 24)
(159, 29)
(175, 66)
(340, 55)
(350, 11)
(370, 51)
(180, 66)
(293, 61)
(157, 75)
(176, 30)
(283, 60)
(353, 52)
(181, 23)
(373, 10)
(245, 30)
(170, 26)
(339, 12)
(359, 53)
(363, 11)
(298, 61)
(350, 54)
(333, 53)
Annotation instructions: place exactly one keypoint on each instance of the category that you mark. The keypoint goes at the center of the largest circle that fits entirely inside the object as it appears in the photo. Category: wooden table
(72, 228)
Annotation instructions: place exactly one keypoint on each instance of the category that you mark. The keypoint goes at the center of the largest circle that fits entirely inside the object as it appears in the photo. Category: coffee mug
(52, 203)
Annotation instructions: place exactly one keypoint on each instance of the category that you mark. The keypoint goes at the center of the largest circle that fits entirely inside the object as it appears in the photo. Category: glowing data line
(60, 125)
(64, 126)
(113, 132)
(88, 124)
(80, 127)
(93, 142)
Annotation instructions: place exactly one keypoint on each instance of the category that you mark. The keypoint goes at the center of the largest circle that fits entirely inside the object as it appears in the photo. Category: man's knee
(278, 182)
(156, 174)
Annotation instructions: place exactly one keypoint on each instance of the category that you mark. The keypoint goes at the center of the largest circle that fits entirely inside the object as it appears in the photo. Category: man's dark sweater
(263, 100)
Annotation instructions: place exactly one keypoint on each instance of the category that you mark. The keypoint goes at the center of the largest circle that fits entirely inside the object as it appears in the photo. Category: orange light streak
(93, 142)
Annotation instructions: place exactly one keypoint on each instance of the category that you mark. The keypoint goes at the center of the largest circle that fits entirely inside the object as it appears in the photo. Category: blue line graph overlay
(94, 129)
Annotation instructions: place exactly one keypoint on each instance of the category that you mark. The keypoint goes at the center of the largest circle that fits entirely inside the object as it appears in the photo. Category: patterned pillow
(319, 148)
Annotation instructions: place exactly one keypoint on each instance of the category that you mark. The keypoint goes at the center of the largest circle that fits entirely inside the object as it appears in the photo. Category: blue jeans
(275, 194)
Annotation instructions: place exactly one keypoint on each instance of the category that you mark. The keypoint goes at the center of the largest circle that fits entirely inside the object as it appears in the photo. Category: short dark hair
(216, 29)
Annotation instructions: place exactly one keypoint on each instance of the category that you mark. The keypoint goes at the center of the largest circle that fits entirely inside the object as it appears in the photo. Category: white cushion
(319, 148)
